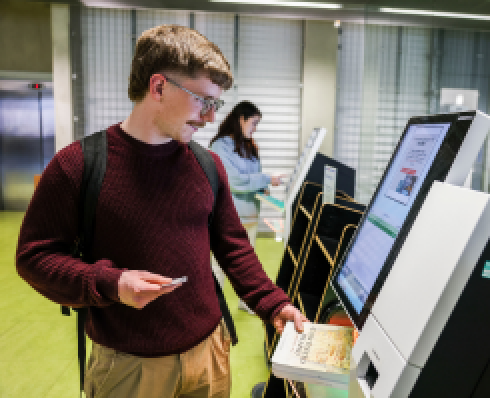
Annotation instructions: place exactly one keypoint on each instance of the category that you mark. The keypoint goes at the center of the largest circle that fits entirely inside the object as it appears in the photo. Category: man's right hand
(138, 288)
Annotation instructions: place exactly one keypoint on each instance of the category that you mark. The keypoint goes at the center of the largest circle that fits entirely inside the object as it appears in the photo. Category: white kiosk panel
(432, 269)
(426, 281)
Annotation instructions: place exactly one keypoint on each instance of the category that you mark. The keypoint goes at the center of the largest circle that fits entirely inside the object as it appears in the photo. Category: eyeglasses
(207, 103)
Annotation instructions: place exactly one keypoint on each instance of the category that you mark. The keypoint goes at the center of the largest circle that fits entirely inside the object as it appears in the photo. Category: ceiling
(352, 10)
(466, 6)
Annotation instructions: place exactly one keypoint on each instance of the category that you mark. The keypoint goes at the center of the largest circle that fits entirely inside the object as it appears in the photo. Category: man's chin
(185, 138)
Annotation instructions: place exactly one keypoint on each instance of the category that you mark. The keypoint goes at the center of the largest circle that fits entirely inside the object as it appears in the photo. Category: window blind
(460, 58)
(398, 72)
(220, 29)
(106, 60)
(382, 81)
(269, 75)
(350, 69)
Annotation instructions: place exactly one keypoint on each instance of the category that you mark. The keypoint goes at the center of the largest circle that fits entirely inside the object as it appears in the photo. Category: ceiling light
(298, 4)
(435, 13)
(336, 23)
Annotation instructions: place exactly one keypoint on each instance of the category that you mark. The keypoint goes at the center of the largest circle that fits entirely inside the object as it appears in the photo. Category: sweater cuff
(278, 310)
(267, 179)
(107, 279)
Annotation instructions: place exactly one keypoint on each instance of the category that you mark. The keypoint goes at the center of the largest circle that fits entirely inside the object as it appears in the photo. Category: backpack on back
(94, 149)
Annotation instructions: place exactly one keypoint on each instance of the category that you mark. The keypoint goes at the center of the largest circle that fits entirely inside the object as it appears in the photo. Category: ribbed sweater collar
(137, 147)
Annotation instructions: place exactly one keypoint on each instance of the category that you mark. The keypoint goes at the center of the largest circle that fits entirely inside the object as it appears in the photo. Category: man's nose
(209, 116)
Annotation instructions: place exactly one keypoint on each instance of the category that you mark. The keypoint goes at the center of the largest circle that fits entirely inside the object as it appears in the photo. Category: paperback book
(319, 355)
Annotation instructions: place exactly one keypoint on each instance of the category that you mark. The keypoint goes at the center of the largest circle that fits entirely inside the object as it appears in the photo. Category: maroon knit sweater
(152, 215)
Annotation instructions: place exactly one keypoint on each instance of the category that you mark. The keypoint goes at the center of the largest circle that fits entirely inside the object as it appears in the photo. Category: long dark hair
(230, 126)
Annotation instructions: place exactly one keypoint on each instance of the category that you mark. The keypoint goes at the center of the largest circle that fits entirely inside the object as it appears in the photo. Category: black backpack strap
(94, 148)
(206, 161)
(81, 343)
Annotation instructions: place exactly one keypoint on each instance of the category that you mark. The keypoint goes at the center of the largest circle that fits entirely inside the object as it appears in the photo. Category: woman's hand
(275, 181)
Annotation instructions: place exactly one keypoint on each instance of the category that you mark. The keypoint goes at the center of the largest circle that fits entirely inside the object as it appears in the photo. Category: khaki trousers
(201, 372)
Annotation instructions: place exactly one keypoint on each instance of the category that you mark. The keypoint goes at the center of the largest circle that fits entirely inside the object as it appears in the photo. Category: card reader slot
(371, 375)
(366, 371)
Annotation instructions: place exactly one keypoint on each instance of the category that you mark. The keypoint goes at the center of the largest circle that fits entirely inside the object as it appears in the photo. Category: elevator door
(26, 140)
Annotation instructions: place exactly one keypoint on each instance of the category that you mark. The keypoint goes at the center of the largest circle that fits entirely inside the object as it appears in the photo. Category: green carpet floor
(38, 355)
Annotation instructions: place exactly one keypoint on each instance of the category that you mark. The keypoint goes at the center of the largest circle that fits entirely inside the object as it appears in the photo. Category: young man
(151, 339)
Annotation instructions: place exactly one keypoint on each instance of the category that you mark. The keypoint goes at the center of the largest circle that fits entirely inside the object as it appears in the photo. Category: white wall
(319, 81)
(63, 110)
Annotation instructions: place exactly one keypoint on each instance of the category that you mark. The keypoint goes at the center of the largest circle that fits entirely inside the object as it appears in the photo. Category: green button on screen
(486, 270)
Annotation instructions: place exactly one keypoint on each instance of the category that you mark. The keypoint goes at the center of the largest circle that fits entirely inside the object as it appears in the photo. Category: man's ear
(157, 83)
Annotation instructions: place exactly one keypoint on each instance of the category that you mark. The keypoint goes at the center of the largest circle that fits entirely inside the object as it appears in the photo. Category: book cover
(320, 355)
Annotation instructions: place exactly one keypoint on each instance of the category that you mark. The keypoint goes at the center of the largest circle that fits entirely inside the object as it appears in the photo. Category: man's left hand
(289, 313)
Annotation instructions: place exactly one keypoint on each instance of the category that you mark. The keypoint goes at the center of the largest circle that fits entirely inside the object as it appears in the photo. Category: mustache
(197, 124)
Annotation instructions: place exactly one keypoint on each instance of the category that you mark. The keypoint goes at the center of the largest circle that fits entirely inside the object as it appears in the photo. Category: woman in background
(238, 152)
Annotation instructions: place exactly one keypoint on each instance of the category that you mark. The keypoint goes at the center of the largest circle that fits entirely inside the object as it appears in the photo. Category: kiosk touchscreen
(431, 148)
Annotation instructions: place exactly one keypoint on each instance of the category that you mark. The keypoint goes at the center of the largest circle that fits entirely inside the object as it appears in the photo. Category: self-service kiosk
(415, 279)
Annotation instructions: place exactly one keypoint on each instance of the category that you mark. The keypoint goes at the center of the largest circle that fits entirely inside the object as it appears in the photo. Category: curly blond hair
(175, 48)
